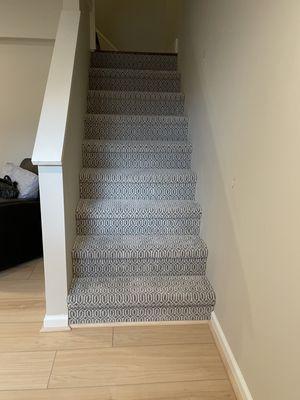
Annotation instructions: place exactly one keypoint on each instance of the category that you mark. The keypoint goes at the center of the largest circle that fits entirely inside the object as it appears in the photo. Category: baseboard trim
(55, 323)
(146, 323)
(238, 382)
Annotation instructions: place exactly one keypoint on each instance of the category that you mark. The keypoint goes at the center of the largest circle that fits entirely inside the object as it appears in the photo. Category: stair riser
(155, 62)
(136, 160)
(134, 106)
(91, 267)
(135, 84)
(107, 129)
(138, 226)
(142, 191)
(138, 314)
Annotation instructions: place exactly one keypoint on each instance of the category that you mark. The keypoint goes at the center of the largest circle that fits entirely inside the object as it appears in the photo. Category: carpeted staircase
(138, 255)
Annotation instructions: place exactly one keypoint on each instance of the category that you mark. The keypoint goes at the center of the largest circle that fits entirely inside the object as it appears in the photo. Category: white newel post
(54, 245)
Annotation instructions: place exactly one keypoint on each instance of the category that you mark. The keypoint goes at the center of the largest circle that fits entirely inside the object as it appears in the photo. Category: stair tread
(156, 175)
(153, 61)
(138, 118)
(116, 209)
(136, 127)
(136, 146)
(139, 246)
(141, 291)
(119, 94)
(133, 73)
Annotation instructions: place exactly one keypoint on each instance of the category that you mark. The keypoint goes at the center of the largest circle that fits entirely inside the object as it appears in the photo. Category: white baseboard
(55, 323)
(238, 382)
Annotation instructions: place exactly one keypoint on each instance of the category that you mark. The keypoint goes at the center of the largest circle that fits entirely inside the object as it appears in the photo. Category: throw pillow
(28, 182)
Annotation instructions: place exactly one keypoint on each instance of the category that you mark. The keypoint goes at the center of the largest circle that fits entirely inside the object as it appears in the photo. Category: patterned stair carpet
(138, 255)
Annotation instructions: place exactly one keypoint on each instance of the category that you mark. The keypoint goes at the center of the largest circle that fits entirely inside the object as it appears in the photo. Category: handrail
(103, 37)
(49, 143)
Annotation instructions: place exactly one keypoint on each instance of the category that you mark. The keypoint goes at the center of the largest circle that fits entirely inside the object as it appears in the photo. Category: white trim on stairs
(55, 323)
(235, 374)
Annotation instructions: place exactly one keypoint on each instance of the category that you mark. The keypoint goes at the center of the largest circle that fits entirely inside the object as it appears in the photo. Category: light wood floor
(124, 363)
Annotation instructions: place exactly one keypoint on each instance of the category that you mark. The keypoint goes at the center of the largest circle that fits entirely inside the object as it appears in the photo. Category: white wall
(35, 19)
(241, 63)
(27, 32)
(24, 69)
(139, 25)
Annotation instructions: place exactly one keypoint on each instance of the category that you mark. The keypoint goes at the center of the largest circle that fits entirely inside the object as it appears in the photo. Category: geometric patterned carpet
(138, 255)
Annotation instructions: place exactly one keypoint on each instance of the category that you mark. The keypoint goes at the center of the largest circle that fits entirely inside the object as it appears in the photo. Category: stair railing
(57, 152)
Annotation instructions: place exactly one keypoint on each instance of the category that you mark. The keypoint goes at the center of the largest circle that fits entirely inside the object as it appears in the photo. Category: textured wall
(241, 63)
(139, 25)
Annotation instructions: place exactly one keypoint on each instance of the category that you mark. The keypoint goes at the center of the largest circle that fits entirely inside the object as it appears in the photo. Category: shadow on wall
(139, 25)
(217, 225)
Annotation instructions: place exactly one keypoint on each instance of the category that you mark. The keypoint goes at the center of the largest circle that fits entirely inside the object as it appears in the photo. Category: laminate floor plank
(38, 271)
(22, 310)
(136, 365)
(19, 290)
(27, 337)
(201, 390)
(159, 335)
(25, 370)
(20, 272)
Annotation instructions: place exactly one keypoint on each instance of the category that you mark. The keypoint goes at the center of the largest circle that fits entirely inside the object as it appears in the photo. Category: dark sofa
(20, 228)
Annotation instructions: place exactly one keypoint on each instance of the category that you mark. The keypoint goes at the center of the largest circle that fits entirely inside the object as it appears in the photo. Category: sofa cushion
(28, 182)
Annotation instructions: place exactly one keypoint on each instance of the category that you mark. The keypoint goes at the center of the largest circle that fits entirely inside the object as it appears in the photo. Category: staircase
(138, 255)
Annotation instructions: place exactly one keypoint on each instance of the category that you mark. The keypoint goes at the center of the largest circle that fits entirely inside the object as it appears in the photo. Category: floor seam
(31, 273)
(113, 337)
(54, 358)
(143, 384)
